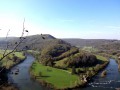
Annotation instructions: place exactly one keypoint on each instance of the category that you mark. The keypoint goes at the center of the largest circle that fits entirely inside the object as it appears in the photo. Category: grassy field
(57, 77)
(89, 49)
(32, 51)
(61, 62)
(101, 58)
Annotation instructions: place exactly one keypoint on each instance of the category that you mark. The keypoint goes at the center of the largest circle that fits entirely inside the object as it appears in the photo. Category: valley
(59, 64)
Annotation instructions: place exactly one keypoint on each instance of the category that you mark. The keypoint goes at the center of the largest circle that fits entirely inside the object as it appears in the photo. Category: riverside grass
(57, 77)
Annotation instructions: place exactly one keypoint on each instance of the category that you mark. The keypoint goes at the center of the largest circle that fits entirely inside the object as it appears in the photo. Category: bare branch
(17, 44)
(7, 33)
(7, 43)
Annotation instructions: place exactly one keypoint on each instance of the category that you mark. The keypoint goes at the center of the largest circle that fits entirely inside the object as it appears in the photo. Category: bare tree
(21, 39)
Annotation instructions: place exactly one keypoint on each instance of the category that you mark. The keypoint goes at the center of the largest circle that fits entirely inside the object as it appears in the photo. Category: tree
(16, 45)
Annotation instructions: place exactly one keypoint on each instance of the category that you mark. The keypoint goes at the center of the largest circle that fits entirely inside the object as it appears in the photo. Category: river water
(111, 81)
(22, 79)
(24, 82)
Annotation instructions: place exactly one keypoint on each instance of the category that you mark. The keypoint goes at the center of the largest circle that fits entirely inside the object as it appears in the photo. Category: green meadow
(57, 77)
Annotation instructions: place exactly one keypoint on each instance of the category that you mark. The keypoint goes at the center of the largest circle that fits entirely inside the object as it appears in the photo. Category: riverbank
(9, 62)
(111, 81)
(58, 79)
(23, 80)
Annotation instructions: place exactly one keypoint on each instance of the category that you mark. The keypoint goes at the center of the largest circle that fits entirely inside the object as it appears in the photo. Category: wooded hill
(101, 44)
(37, 42)
(34, 42)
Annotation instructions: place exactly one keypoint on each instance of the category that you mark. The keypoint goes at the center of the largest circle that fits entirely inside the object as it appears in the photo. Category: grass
(101, 58)
(89, 49)
(33, 51)
(61, 62)
(57, 77)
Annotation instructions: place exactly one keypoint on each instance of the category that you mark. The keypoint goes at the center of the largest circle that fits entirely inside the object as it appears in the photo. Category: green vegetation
(57, 77)
(77, 60)
(101, 58)
(70, 78)
(64, 66)
(58, 63)
(90, 49)
(61, 63)
(11, 59)
(32, 51)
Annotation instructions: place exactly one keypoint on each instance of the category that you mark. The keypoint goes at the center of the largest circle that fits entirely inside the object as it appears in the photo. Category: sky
(87, 19)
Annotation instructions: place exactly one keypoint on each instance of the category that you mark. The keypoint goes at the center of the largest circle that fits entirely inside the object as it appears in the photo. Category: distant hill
(36, 42)
(102, 44)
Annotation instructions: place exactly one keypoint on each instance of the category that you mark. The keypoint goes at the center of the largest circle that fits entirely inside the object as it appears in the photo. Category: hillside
(38, 42)
(30, 42)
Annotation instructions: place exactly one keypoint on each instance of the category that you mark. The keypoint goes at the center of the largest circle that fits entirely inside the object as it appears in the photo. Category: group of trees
(81, 60)
(49, 53)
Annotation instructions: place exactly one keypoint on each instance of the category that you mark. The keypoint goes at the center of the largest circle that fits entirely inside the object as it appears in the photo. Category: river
(22, 79)
(24, 82)
(111, 81)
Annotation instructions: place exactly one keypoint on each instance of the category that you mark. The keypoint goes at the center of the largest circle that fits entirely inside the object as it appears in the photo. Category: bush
(80, 71)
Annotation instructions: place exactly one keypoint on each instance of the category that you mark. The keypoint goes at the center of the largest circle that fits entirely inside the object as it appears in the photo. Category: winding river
(24, 82)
